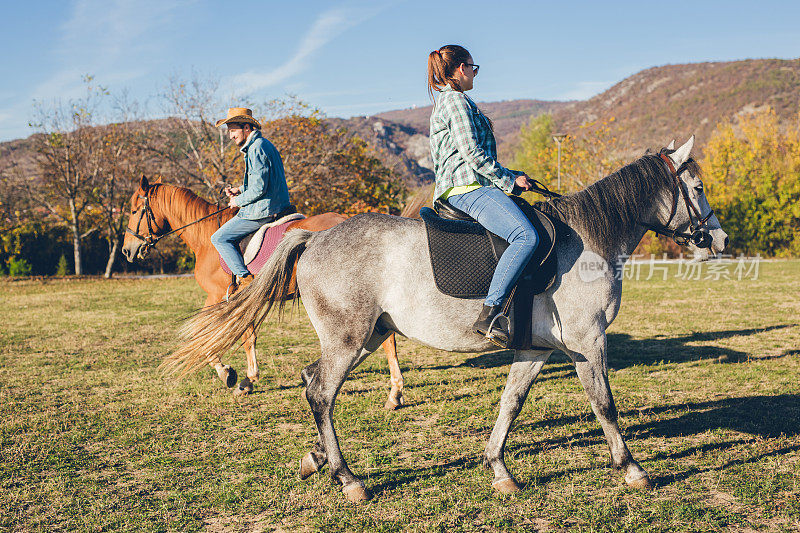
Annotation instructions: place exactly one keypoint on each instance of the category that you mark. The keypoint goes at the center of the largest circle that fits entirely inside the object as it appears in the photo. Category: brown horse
(156, 208)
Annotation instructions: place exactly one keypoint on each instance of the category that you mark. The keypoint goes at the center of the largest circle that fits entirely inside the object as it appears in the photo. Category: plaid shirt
(463, 147)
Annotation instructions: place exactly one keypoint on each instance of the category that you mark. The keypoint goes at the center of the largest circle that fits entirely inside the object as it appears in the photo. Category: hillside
(654, 105)
(648, 108)
(659, 103)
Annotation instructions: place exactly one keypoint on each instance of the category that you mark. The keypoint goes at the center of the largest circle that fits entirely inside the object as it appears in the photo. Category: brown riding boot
(244, 281)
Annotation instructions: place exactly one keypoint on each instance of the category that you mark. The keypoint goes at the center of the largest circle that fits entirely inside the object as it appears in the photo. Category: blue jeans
(226, 241)
(499, 214)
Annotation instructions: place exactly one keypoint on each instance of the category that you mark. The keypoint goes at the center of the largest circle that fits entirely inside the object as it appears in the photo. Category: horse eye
(699, 188)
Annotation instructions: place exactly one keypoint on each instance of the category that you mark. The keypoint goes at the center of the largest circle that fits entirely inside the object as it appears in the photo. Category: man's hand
(230, 192)
(523, 182)
(232, 202)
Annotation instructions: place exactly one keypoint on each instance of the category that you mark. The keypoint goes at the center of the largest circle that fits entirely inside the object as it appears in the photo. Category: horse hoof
(391, 405)
(356, 493)
(244, 388)
(641, 483)
(505, 486)
(230, 380)
(308, 466)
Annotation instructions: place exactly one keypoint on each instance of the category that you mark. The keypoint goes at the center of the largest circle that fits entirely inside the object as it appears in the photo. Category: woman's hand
(523, 182)
(230, 192)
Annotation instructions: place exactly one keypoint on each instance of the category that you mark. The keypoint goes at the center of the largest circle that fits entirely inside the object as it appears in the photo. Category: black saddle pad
(464, 255)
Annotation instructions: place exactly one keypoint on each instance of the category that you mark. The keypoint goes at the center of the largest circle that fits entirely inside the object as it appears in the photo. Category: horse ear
(671, 145)
(158, 180)
(680, 155)
(143, 183)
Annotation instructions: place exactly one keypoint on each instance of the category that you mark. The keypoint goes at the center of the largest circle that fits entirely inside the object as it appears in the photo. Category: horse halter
(699, 236)
(146, 213)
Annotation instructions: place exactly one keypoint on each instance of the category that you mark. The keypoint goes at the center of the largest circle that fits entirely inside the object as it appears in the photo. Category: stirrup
(231, 290)
(492, 337)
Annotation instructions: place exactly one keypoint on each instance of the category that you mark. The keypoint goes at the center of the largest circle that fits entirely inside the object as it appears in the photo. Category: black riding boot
(500, 334)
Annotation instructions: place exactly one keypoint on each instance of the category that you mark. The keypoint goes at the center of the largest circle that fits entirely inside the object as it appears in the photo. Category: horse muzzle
(701, 238)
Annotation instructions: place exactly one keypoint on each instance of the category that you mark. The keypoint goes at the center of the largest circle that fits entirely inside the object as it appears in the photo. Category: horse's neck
(617, 242)
(653, 211)
(179, 214)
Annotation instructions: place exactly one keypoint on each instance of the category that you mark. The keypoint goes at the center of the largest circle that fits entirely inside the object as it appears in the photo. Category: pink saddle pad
(272, 237)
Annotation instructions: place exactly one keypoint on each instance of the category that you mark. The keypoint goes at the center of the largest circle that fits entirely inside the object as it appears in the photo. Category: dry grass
(93, 438)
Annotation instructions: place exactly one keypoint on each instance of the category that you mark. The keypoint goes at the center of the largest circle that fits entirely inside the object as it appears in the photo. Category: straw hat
(240, 115)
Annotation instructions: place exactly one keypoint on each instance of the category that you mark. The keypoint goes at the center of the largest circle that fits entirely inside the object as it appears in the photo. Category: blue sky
(358, 57)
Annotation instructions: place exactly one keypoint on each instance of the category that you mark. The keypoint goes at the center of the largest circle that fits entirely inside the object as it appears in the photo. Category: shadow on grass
(760, 416)
(623, 351)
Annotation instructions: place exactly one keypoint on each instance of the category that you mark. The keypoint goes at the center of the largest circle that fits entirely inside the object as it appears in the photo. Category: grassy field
(92, 437)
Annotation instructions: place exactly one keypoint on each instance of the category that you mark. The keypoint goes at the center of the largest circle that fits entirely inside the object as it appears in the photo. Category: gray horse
(371, 276)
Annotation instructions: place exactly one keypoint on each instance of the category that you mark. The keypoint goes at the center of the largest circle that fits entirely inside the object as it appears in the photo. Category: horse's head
(686, 209)
(145, 224)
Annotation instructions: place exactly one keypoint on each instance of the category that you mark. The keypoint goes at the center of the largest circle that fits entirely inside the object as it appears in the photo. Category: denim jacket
(264, 191)
(463, 147)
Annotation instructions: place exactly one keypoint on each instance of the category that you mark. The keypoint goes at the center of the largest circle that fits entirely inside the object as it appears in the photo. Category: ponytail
(442, 63)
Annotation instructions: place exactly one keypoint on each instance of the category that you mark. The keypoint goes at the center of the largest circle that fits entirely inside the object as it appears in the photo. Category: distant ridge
(652, 106)
(649, 109)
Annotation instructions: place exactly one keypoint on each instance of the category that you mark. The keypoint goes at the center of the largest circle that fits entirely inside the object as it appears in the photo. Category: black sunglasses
(474, 68)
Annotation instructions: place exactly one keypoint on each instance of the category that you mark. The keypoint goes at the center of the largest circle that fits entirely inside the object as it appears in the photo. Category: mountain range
(648, 110)
(645, 110)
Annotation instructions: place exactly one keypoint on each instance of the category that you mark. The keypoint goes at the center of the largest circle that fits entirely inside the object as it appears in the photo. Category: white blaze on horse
(371, 276)
(158, 210)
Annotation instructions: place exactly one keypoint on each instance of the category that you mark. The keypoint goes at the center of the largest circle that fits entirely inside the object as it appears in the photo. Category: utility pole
(559, 138)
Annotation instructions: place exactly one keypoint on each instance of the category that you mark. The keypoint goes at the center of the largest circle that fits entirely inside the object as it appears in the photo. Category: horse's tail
(419, 199)
(217, 328)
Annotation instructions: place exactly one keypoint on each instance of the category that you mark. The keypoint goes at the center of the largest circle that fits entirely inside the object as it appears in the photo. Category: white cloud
(103, 38)
(584, 90)
(325, 28)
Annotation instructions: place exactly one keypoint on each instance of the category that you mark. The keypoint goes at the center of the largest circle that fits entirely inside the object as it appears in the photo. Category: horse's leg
(315, 459)
(321, 394)
(395, 399)
(592, 372)
(246, 385)
(524, 369)
(225, 373)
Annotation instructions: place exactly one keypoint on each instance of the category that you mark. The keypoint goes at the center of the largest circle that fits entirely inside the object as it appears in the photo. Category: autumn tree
(122, 163)
(586, 155)
(187, 147)
(330, 169)
(70, 161)
(751, 170)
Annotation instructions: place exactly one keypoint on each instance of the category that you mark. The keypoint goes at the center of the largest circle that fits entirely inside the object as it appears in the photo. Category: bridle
(699, 234)
(146, 213)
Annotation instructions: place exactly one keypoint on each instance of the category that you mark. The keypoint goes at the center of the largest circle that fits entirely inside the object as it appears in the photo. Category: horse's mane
(605, 211)
(188, 206)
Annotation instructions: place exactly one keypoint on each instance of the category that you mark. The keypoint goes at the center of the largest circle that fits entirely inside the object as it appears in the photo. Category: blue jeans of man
(226, 241)
(499, 214)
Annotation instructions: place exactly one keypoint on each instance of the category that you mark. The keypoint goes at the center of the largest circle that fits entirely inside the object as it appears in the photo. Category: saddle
(464, 256)
(257, 247)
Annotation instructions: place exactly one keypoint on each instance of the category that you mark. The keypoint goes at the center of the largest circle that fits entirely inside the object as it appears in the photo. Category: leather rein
(146, 213)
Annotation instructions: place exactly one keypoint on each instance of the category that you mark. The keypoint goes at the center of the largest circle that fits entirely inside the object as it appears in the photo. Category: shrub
(63, 268)
(18, 266)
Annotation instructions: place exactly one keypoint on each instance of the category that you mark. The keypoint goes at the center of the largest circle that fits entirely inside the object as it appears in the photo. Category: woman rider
(469, 176)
